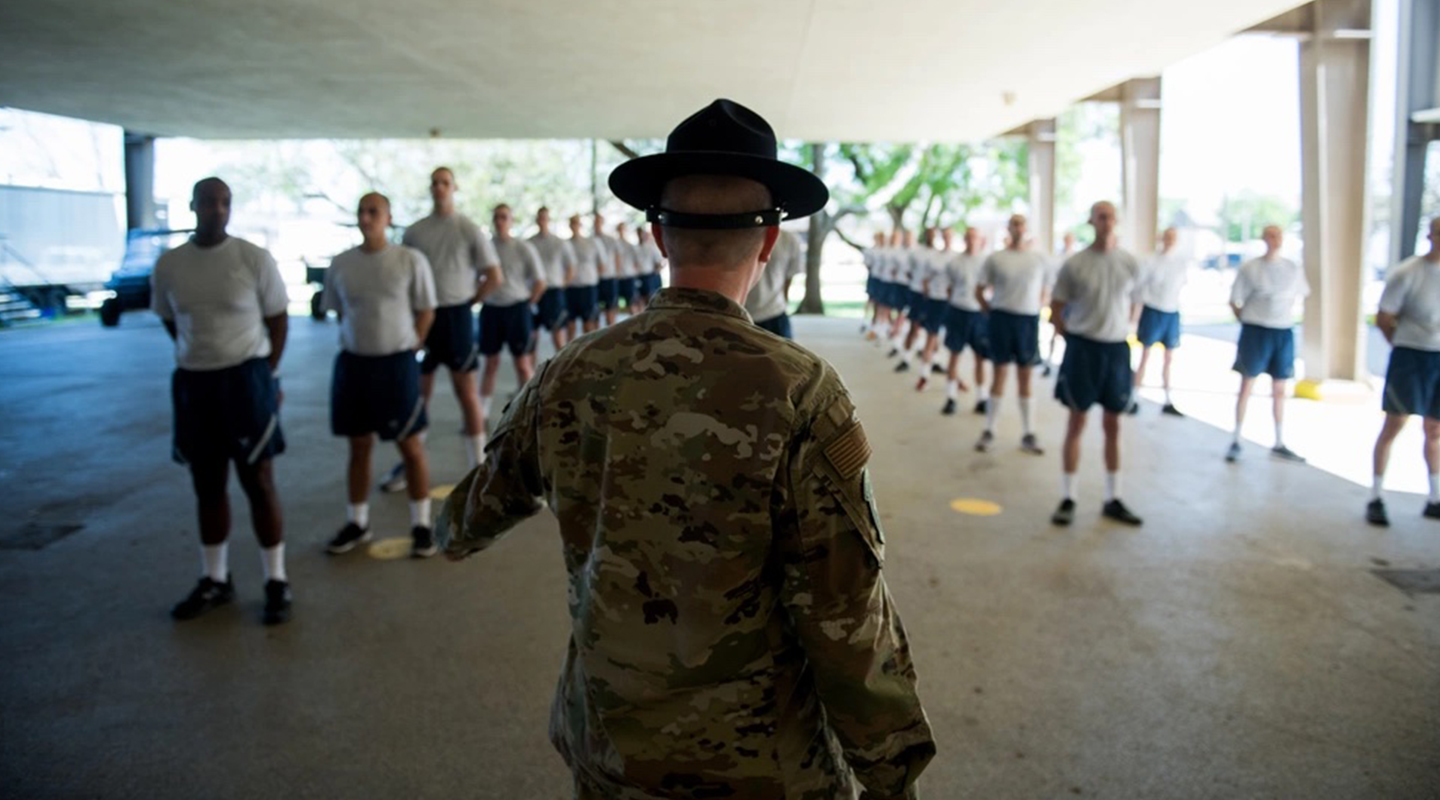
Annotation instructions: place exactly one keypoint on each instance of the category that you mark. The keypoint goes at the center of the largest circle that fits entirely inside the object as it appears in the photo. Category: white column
(1140, 164)
(1041, 136)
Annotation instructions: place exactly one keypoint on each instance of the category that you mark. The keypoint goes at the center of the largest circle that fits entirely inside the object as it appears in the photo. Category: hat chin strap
(715, 222)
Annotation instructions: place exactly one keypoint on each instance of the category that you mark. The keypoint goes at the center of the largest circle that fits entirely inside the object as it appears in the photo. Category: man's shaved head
(713, 194)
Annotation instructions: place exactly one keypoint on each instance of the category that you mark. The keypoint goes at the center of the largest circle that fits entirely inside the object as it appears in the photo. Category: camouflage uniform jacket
(732, 633)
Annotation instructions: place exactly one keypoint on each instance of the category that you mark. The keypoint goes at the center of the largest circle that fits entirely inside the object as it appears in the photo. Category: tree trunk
(819, 229)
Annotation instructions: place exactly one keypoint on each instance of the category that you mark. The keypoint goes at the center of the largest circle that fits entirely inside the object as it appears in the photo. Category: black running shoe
(1065, 514)
(1133, 409)
(1375, 513)
(1432, 510)
(949, 409)
(1031, 445)
(1045, 370)
(277, 603)
(903, 366)
(1232, 454)
(1116, 510)
(982, 407)
(422, 543)
(1170, 409)
(394, 480)
(347, 539)
(206, 595)
(936, 369)
(1284, 453)
(894, 351)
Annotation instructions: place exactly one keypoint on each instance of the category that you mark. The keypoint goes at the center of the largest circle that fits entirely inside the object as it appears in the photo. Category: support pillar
(1041, 137)
(1417, 92)
(140, 181)
(1140, 164)
(1334, 122)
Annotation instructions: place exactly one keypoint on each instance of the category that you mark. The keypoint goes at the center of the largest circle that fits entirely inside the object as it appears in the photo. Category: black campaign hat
(723, 138)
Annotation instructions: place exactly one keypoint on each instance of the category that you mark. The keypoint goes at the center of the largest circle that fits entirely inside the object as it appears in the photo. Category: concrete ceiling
(817, 69)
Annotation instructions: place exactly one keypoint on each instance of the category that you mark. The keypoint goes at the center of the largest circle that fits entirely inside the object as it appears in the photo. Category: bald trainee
(375, 197)
(208, 184)
(713, 194)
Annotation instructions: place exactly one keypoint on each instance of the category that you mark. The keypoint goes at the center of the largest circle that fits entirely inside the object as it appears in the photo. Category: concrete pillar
(1140, 164)
(140, 181)
(1417, 91)
(1041, 137)
(1334, 123)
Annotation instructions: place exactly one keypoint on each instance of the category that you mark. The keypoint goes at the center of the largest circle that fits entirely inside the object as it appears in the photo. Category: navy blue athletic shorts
(1267, 350)
(582, 303)
(780, 326)
(1159, 326)
(1095, 372)
(934, 317)
(628, 289)
(505, 326)
(609, 293)
(872, 287)
(1014, 338)
(1412, 383)
(451, 341)
(966, 329)
(377, 394)
(649, 284)
(230, 414)
(551, 313)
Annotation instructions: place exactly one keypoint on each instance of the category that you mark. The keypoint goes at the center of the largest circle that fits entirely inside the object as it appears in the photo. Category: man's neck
(503, 236)
(1433, 256)
(209, 239)
(444, 209)
(727, 282)
(374, 244)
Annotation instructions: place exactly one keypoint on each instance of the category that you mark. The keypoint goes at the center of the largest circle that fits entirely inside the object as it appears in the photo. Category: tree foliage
(1246, 214)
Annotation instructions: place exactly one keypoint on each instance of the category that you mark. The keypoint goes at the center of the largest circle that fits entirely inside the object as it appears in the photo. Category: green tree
(1243, 216)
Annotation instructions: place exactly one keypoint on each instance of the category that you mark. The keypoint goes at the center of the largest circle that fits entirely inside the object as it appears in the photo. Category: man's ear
(772, 235)
(659, 239)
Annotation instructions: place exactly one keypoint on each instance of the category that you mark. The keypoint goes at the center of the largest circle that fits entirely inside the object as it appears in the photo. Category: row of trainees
(993, 304)
(223, 302)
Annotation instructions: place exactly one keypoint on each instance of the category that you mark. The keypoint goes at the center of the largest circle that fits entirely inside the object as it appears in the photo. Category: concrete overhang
(819, 70)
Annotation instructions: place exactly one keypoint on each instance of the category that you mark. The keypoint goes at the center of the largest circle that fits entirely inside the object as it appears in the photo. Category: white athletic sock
(1112, 485)
(420, 512)
(1435, 487)
(990, 412)
(474, 451)
(1026, 403)
(1377, 486)
(485, 402)
(1236, 439)
(1067, 485)
(952, 390)
(273, 560)
(982, 392)
(215, 561)
(906, 356)
(1279, 434)
(1168, 401)
(358, 513)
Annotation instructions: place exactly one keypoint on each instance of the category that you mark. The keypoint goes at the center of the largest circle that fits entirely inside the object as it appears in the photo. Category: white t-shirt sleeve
(1240, 290)
(160, 292)
(567, 257)
(1063, 291)
(987, 272)
(1396, 288)
(422, 288)
(796, 267)
(485, 255)
(274, 300)
(331, 292)
(1303, 284)
(534, 270)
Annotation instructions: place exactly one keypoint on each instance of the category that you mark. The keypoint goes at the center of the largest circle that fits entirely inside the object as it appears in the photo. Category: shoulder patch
(850, 451)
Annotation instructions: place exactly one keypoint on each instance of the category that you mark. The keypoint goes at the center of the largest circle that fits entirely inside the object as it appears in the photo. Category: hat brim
(640, 181)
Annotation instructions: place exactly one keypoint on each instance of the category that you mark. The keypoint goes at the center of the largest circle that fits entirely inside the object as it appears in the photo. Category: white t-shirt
(458, 252)
(922, 260)
(555, 256)
(520, 266)
(588, 255)
(937, 275)
(963, 273)
(1412, 294)
(1162, 280)
(218, 297)
(609, 253)
(651, 259)
(1267, 291)
(1017, 279)
(767, 297)
(377, 295)
(1098, 289)
(629, 258)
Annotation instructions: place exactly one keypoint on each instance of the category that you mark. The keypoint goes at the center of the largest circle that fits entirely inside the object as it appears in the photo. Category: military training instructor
(732, 635)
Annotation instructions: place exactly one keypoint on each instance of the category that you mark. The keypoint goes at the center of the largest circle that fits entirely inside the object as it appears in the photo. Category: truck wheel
(110, 313)
(317, 305)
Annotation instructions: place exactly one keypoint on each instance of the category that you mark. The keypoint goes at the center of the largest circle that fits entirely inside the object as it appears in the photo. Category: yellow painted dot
(441, 492)
(390, 549)
(1307, 390)
(973, 507)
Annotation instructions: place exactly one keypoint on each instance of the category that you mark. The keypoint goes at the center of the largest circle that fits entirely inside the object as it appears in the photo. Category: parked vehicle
(131, 282)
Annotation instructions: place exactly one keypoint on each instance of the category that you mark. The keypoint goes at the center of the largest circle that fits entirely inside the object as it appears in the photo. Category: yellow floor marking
(390, 549)
(441, 492)
(978, 508)
(1307, 390)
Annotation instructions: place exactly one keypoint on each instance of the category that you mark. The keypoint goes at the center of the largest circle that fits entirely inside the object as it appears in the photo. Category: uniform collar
(674, 299)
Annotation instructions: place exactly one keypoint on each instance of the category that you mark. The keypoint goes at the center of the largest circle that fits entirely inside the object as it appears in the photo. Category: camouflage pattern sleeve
(502, 492)
(829, 535)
